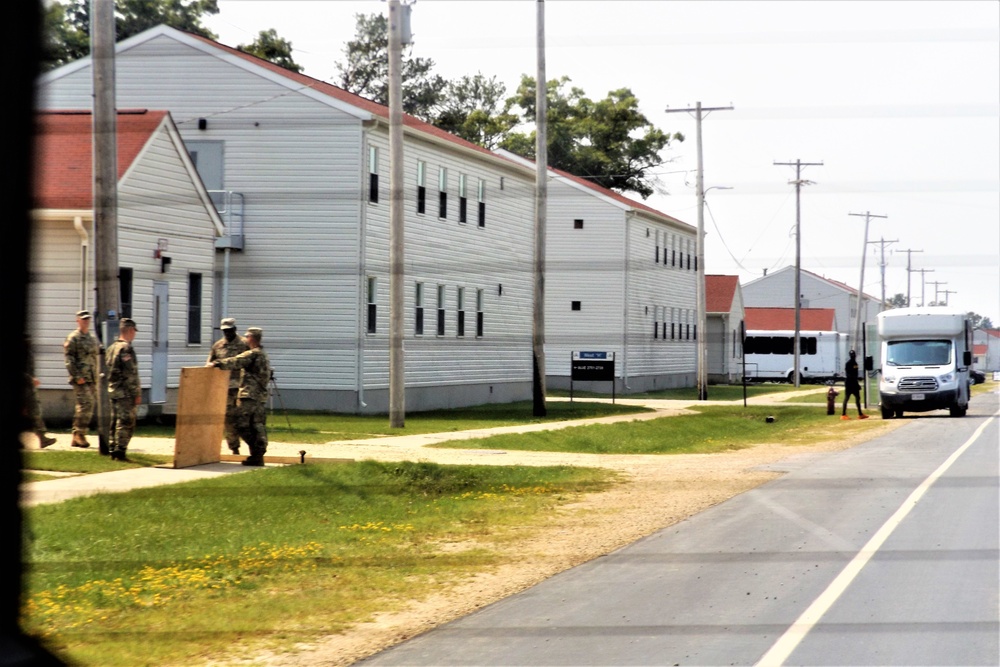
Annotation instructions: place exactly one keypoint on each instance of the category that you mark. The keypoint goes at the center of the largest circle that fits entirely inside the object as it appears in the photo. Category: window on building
(194, 309)
(440, 304)
(574, 305)
(481, 198)
(372, 294)
(373, 174)
(125, 291)
(658, 248)
(463, 202)
(421, 190)
(460, 311)
(479, 313)
(442, 192)
(578, 224)
(418, 315)
(656, 322)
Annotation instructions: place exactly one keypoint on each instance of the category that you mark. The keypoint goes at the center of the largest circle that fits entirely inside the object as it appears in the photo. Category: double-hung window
(463, 202)
(481, 198)
(373, 174)
(479, 313)
(418, 315)
(440, 305)
(460, 311)
(194, 309)
(372, 293)
(421, 190)
(442, 192)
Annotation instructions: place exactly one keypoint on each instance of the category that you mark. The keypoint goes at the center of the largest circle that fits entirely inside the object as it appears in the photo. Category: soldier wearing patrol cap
(123, 388)
(251, 403)
(230, 345)
(80, 351)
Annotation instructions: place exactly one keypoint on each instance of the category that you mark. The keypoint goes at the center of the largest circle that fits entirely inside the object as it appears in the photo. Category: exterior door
(161, 320)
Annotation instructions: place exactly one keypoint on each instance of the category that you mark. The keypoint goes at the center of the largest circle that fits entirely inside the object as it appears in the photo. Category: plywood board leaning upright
(201, 415)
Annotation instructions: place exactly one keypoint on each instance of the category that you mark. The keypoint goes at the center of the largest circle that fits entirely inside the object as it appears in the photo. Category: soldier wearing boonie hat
(230, 345)
(123, 387)
(251, 403)
(80, 351)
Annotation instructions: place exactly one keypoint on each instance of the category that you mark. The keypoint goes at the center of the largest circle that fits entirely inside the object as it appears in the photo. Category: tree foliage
(979, 322)
(272, 48)
(609, 142)
(474, 108)
(67, 24)
(898, 300)
(366, 69)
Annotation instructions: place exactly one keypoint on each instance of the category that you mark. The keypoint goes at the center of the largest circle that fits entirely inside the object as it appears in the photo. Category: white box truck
(926, 356)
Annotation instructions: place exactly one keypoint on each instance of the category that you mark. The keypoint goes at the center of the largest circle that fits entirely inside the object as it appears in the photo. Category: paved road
(883, 554)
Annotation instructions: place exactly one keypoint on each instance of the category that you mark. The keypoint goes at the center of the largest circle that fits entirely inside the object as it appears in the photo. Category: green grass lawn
(714, 428)
(218, 568)
(320, 427)
(716, 392)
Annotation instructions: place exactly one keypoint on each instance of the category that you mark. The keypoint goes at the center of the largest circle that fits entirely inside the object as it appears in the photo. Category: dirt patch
(655, 492)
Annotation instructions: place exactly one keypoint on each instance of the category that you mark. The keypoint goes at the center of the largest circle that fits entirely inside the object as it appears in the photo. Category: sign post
(593, 366)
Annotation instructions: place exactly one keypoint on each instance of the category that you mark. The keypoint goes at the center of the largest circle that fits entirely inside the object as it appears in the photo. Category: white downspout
(625, 305)
(85, 247)
(362, 281)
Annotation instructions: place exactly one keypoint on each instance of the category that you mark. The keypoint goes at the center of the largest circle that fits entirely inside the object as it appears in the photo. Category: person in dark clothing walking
(851, 386)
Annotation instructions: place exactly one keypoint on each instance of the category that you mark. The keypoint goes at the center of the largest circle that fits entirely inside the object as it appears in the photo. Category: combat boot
(79, 440)
(253, 461)
(118, 455)
(44, 440)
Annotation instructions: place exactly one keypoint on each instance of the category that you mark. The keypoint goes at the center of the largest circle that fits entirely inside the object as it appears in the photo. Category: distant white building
(724, 316)
(300, 170)
(777, 290)
(986, 344)
(167, 228)
(619, 277)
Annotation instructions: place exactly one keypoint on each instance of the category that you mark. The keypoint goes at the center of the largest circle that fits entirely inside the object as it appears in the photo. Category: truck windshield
(918, 353)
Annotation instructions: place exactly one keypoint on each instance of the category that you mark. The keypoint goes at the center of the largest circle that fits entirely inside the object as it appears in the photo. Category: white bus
(770, 355)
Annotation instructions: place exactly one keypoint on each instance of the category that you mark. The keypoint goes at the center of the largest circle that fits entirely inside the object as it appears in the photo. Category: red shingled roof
(783, 319)
(64, 154)
(719, 293)
(410, 121)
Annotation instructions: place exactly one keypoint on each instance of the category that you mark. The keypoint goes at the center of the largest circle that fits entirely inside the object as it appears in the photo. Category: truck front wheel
(957, 411)
(886, 413)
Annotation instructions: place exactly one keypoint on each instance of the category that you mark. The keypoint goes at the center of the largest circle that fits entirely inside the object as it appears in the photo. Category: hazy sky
(899, 100)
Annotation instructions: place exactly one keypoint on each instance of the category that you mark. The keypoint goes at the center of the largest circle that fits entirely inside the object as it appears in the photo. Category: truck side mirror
(967, 358)
(869, 363)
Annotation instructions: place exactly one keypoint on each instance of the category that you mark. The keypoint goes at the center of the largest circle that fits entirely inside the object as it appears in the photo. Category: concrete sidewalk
(403, 446)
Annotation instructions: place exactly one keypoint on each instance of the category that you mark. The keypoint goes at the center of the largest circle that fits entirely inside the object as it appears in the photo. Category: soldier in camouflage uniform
(123, 388)
(251, 403)
(80, 350)
(230, 345)
(32, 409)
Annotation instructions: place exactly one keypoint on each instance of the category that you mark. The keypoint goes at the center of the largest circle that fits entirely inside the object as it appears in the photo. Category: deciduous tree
(273, 48)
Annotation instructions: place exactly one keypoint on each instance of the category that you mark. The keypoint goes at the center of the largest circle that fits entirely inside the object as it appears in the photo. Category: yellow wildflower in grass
(67, 607)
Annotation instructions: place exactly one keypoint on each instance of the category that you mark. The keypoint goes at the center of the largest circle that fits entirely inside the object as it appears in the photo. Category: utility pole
(923, 283)
(861, 283)
(541, 204)
(936, 283)
(908, 270)
(702, 326)
(883, 243)
(946, 292)
(399, 32)
(105, 130)
(798, 183)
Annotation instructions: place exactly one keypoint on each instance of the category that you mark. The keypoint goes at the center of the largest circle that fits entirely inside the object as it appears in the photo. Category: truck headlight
(949, 377)
(889, 379)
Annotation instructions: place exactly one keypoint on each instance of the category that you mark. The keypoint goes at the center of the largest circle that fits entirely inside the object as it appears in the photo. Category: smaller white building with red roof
(167, 228)
(724, 316)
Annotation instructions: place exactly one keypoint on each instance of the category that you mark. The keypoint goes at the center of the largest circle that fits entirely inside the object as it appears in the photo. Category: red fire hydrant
(831, 401)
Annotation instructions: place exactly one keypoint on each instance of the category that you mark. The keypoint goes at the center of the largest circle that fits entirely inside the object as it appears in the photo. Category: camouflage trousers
(86, 401)
(32, 407)
(122, 423)
(251, 423)
(232, 412)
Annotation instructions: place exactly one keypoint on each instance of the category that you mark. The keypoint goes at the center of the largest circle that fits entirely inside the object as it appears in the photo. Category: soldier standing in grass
(230, 345)
(123, 388)
(80, 350)
(251, 402)
(851, 386)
